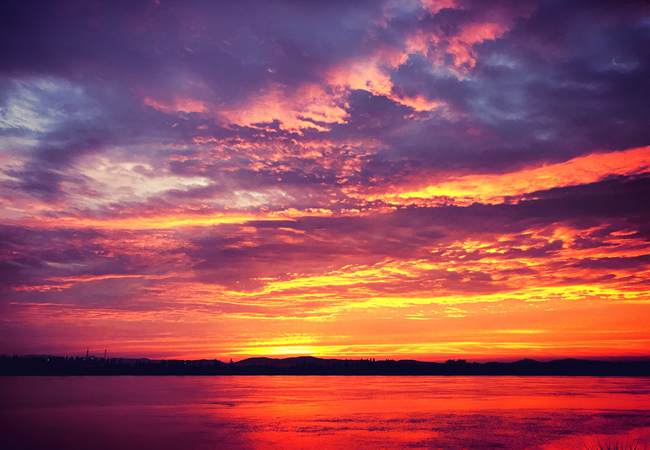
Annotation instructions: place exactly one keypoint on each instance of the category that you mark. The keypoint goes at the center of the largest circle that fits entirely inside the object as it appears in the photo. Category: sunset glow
(385, 179)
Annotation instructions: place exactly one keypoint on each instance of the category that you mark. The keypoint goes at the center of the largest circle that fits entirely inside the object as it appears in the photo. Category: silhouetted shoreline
(305, 365)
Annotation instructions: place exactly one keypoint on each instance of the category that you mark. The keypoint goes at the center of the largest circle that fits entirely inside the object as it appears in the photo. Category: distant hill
(307, 365)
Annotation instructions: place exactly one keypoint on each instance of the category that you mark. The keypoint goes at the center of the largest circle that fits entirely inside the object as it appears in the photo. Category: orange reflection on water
(323, 412)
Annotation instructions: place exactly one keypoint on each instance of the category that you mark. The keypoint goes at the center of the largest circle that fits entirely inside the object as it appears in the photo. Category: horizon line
(345, 358)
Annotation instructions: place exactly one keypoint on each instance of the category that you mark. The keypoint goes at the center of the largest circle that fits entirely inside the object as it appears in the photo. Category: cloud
(301, 169)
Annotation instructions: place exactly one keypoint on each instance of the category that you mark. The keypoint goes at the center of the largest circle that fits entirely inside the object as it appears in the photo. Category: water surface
(214, 412)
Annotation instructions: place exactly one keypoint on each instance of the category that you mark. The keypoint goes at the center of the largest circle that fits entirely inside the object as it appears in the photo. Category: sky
(423, 179)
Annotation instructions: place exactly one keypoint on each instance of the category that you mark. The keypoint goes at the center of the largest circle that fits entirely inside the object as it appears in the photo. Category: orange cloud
(150, 222)
(308, 106)
(435, 6)
(461, 45)
(172, 221)
(493, 188)
(372, 74)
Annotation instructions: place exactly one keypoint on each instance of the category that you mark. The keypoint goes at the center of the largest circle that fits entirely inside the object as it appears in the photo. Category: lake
(285, 412)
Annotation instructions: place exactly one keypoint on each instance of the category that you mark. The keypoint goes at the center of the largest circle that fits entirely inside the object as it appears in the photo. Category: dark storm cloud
(36, 256)
(569, 79)
(231, 46)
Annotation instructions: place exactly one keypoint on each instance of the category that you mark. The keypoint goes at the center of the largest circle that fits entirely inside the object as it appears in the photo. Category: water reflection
(322, 412)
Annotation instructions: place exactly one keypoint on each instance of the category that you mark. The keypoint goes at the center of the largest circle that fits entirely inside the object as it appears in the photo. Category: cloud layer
(396, 178)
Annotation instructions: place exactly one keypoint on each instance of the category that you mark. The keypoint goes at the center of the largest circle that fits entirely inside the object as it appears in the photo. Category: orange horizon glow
(331, 308)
